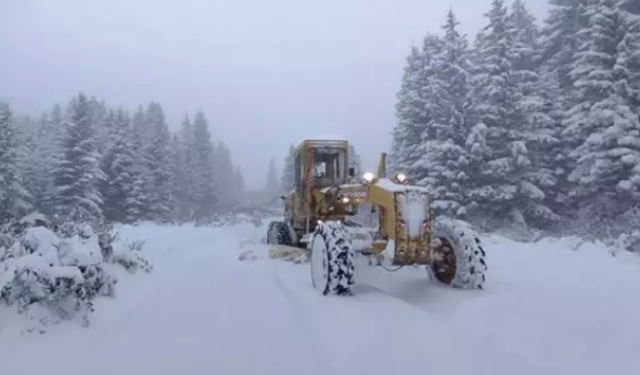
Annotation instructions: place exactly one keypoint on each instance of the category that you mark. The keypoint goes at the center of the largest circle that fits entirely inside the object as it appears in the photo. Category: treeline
(93, 163)
(532, 126)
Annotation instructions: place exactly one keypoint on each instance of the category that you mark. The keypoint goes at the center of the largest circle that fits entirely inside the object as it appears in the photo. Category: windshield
(329, 166)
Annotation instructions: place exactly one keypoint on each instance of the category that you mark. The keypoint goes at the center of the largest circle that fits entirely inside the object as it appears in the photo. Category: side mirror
(352, 172)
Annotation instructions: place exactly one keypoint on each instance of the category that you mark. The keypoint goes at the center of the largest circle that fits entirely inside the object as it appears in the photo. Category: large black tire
(332, 259)
(278, 234)
(459, 259)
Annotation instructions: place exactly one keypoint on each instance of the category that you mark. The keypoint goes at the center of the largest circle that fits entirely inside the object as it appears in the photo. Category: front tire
(278, 234)
(332, 259)
(458, 259)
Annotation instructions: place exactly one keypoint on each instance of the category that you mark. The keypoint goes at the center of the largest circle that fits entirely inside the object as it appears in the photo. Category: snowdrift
(54, 274)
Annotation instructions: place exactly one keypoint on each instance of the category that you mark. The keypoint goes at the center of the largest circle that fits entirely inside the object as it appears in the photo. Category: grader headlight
(401, 178)
(368, 177)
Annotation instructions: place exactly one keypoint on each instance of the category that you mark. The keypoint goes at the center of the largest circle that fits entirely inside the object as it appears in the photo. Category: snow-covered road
(546, 310)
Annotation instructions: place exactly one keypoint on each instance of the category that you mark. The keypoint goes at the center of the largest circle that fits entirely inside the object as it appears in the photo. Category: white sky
(267, 73)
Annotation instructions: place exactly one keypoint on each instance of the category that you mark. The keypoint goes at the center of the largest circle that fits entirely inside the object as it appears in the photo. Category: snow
(414, 209)
(78, 251)
(325, 137)
(552, 307)
(389, 185)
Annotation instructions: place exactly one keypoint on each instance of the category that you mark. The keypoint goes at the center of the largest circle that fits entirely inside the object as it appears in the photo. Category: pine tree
(177, 175)
(186, 197)
(29, 162)
(272, 186)
(204, 192)
(118, 164)
(558, 47)
(628, 53)
(239, 184)
(48, 157)
(78, 175)
(225, 184)
(444, 158)
(287, 179)
(407, 132)
(139, 200)
(538, 127)
(499, 159)
(563, 23)
(601, 123)
(157, 152)
(100, 113)
(14, 198)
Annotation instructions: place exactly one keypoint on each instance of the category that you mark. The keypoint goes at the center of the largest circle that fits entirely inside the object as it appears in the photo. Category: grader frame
(327, 194)
(339, 194)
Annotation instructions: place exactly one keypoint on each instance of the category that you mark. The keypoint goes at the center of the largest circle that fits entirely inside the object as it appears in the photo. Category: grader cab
(318, 224)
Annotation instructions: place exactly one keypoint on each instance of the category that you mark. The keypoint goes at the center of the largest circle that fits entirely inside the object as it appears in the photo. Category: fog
(266, 73)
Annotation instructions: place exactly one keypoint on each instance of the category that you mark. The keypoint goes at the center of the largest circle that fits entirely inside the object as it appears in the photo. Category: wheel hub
(444, 262)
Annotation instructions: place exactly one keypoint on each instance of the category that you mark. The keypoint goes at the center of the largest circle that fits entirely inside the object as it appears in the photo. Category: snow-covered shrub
(628, 241)
(60, 273)
(127, 254)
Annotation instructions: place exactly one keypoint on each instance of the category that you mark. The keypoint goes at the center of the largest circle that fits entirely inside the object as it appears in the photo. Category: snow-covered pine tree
(177, 173)
(118, 164)
(138, 201)
(223, 167)
(28, 160)
(415, 109)
(272, 186)
(157, 150)
(558, 46)
(559, 43)
(204, 193)
(46, 157)
(287, 179)
(239, 182)
(100, 115)
(186, 197)
(78, 174)
(15, 200)
(499, 159)
(407, 132)
(601, 122)
(444, 158)
(629, 53)
(539, 129)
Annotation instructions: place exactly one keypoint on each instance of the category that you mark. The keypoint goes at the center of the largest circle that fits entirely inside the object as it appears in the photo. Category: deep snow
(547, 309)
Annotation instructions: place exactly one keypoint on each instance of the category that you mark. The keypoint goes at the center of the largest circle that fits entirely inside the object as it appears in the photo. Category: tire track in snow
(480, 337)
(323, 364)
(382, 318)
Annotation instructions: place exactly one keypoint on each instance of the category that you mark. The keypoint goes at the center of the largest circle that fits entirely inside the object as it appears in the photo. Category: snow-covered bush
(60, 271)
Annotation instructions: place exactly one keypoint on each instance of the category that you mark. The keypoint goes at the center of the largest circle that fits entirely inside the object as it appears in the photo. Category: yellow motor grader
(318, 224)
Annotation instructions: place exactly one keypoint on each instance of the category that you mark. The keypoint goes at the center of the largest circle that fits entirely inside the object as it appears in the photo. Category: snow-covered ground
(547, 309)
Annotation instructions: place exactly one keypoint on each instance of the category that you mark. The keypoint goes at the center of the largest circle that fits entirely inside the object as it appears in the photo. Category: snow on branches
(53, 275)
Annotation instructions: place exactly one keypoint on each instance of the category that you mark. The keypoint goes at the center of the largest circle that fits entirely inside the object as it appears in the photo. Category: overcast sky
(266, 72)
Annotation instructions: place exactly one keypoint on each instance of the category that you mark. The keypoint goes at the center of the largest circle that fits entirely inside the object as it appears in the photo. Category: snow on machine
(318, 224)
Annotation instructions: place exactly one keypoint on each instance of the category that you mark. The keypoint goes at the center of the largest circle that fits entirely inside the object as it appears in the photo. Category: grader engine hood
(407, 220)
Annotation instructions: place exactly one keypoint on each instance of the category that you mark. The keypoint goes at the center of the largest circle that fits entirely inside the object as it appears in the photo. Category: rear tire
(278, 234)
(458, 256)
(332, 259)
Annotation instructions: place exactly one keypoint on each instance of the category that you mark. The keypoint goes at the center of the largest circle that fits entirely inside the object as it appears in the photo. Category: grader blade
(288, 253)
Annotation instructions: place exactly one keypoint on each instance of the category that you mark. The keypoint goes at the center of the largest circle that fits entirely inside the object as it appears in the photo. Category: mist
(267, 74)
